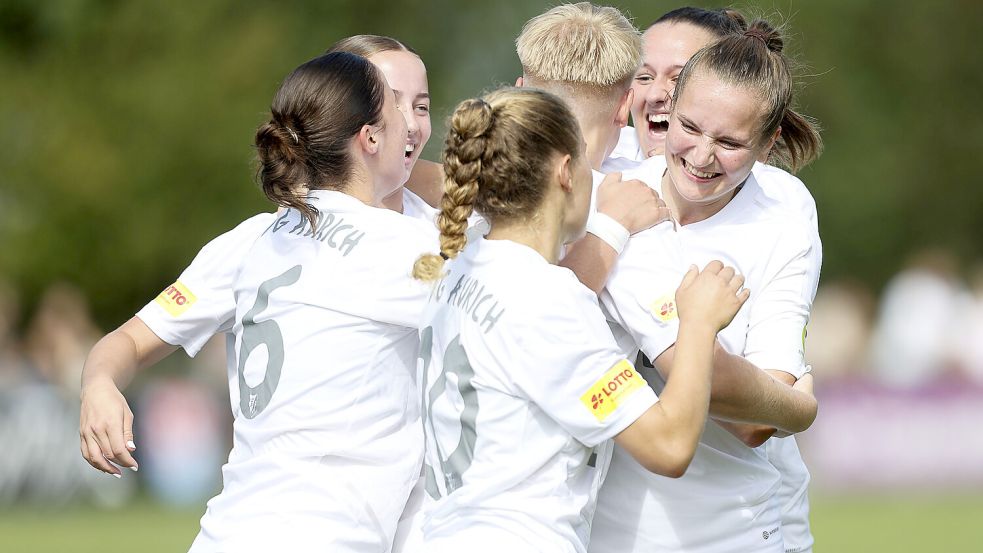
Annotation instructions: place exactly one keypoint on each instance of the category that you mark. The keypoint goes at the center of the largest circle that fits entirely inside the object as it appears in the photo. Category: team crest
(664, 308)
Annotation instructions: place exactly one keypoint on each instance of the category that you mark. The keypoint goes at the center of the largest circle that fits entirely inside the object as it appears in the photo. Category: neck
(597, 143)
(686, 212)
(536, 233)
(394, 201)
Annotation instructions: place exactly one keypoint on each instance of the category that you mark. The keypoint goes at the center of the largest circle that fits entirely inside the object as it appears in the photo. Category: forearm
(592, 260)
(120, 354)
(743, 393)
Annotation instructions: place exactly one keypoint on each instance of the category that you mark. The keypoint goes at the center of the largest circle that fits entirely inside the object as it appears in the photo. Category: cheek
(425, 129)
(735, 162)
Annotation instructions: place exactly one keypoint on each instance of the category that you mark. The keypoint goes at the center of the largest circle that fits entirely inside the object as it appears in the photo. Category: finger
(736, 282)
(121, 455)
(713, 267)
(690, 276)
(742, 296)
(97, 459)
(128, 429)
(726, 274)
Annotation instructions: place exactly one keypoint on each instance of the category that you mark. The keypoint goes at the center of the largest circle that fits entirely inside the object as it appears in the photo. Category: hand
(804, 384)
(632, 203)
(713, 295)
(106, 428)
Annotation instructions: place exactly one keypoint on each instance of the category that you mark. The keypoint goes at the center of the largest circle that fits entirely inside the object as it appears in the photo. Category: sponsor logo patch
(612, 389)
(664, 308)
(176, 299)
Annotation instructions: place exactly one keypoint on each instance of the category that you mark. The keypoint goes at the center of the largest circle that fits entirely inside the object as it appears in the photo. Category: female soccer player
(732, 106)
(522, 379)
(666, 47)
(325, 329)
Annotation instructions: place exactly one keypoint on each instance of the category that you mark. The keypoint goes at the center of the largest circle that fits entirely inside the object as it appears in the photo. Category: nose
(658, 92)
(703, 153)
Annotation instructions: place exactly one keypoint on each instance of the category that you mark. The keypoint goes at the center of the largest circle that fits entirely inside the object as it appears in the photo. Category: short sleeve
(780, 312)
(200, 303)
(581, 380)
(640, 295)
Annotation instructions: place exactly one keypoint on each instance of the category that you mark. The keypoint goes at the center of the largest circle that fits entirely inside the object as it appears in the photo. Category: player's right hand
(106, 428)
(631, 202)
(713, 295)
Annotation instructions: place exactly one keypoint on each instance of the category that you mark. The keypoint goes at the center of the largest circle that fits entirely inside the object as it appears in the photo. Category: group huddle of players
(442, 357)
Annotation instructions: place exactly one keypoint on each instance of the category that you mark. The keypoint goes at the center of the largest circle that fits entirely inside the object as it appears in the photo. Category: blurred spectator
(13, 368)
(60, 336)
(912, 341)
(968, 342)
(839, 330)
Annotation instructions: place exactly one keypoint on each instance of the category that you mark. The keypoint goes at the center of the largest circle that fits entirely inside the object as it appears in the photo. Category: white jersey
(522, 382)
(727, 500)
(323, 392)
(782, 452)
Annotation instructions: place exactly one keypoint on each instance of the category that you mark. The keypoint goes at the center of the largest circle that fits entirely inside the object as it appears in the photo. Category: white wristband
(612, 232)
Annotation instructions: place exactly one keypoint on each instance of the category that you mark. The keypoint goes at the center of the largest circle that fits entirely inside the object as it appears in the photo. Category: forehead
(719, 108)
(404, 70)
(671, 43)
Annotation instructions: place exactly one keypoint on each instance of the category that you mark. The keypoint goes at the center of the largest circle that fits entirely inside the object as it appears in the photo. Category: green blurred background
(125, 145)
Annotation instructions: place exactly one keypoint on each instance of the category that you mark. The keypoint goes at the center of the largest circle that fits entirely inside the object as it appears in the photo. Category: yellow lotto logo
(664, 308)
(176, 299)
(605, 395)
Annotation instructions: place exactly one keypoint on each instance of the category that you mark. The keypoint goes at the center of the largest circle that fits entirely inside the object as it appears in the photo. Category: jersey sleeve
(780, 312)
(640, 295)
(580, 379)
(201, 302)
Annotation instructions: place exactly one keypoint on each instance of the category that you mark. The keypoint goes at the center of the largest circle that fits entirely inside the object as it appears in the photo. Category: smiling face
(666, 47)
(713, 141)
(406, 74)
(392, 168)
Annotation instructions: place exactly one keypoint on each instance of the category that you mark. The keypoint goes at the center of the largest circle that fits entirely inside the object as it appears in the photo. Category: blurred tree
(126, 132)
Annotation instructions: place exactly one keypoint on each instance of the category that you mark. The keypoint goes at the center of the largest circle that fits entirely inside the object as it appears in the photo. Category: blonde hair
(497, 159)
(581, 45)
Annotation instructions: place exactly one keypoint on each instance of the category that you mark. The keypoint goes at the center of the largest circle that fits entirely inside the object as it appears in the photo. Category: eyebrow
(422, 95)
(687, 121)
(653, 70)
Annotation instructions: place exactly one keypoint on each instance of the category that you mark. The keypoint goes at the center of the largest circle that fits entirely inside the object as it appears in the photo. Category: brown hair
(719, 22)
(319, 107)
(369, 45)
(754, 60)
(497, 159)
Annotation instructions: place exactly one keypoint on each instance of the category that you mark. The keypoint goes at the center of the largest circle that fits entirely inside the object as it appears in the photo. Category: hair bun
(472, 119)
(761, 30)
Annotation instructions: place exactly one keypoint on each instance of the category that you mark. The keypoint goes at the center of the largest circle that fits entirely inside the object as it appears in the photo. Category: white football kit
(522, 382)
(340, 326)
(727, 499)
(783, 453)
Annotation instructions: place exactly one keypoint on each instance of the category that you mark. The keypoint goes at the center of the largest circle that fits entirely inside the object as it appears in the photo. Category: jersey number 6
(254, 399)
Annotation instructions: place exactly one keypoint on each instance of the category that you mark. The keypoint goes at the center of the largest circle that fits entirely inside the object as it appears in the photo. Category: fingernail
(116, 475)
(135, 468)
(131, 445)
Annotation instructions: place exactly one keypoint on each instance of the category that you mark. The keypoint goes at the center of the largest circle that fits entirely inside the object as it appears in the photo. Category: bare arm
(630, 203)
(106, 421)
(743, 393)
(665, 437)
(427, 181)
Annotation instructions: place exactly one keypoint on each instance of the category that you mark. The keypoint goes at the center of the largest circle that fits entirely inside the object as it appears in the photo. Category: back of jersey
(325, 355)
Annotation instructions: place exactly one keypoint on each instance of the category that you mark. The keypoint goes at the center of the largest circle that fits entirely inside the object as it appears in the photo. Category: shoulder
(627, 145)
(780, 190)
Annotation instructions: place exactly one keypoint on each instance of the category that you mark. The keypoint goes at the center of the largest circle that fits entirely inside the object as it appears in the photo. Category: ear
(564, 172)
(519, 82)
(624, 108)
(366, 139)
(763, 158)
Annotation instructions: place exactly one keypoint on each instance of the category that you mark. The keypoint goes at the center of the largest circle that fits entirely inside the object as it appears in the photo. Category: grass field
(841, 525)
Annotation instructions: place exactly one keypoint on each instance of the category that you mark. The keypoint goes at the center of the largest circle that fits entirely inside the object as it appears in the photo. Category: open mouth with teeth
(410, 148)
(696, 174)
(658, 123)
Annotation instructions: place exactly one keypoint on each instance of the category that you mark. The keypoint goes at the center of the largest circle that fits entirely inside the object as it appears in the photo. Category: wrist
(609, 230)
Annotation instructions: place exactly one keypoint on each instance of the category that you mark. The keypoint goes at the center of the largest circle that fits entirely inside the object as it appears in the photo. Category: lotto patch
(664, 308)
(176, 299)
(605, 395)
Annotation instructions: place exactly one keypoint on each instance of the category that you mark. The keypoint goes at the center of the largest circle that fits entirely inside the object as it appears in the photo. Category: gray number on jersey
(455, 363)
(253, 400)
